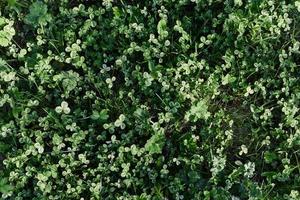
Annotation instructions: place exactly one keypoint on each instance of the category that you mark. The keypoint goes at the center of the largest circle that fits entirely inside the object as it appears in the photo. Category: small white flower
(249, 169)
(219, 164)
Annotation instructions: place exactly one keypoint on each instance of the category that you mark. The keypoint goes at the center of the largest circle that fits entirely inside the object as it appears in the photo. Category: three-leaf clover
(120, 121)
(102, 115)
(198, 111)
(155, 143)
(63, 108)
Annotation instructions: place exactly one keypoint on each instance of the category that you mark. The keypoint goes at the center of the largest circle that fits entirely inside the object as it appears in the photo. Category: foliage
(160, 99)
(37, 14)
(6, 31)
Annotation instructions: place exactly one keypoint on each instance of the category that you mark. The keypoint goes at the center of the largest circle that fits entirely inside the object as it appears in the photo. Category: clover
(120, 121)
(71, 127)
(249, 91)
(110, 81)
(63, 108)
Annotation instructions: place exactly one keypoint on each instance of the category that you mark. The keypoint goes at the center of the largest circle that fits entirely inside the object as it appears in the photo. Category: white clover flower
(249, 169)
(63, 108)
(219, 164)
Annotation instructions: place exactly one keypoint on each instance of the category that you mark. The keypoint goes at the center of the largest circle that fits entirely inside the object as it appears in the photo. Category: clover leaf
(102, 115)
(7, 32)
(155, 143)
(198, 111)
(37, 14)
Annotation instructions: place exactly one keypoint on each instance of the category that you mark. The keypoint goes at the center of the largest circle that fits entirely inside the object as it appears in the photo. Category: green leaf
(102, 115)
(155, 143)
(227, 79)
(3, 147)
(151, 65)
(3, 64)
(95, 115)
(198, 111)
(6, 34)
(2, 21)
(270, 157)
(4, 186)
(116, 12)
(11, 2)
(69, 84)
(37, 14)
(269, 174)
(16, 111)
(161, 28)
(4, 42)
